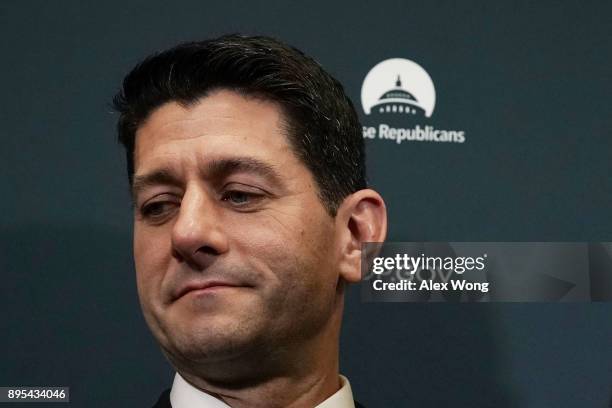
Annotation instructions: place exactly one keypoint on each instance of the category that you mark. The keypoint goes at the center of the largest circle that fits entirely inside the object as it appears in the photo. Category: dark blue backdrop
(529, 83)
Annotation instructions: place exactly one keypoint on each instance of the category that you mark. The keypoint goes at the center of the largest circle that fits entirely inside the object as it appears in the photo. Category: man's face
(233, 249)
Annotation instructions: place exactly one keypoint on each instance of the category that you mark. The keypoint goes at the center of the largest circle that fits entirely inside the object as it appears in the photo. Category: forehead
(220, 124)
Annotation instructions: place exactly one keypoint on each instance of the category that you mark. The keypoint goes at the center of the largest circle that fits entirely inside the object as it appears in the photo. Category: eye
(237, 197)
(242, 198)
(157, 210)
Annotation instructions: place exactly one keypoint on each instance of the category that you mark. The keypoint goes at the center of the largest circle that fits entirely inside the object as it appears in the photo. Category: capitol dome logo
(398, 86)
(399, 97)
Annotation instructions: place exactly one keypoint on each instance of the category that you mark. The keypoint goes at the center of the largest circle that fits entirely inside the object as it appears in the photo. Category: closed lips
(203, 285)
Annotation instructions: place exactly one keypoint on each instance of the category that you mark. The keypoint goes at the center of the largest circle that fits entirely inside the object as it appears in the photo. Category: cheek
(296, 272)
(292, 251)
(151, 254)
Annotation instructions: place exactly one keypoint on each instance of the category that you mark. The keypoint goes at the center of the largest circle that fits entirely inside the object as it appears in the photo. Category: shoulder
(164, 400)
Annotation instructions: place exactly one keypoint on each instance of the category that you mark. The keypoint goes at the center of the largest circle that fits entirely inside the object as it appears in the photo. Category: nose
(197, 235)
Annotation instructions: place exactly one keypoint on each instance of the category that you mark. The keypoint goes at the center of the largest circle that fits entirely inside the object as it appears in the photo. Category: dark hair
(324, 130)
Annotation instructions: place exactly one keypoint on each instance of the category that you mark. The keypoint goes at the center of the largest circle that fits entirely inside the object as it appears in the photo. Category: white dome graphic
(398, 85)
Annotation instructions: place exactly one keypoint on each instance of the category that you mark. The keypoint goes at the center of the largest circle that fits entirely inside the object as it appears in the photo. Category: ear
(361, 218)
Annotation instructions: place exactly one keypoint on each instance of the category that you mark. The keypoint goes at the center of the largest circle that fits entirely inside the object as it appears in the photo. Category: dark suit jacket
(164, 401)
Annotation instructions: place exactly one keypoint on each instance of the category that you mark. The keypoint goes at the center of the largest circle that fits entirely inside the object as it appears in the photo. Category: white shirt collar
(185, 395)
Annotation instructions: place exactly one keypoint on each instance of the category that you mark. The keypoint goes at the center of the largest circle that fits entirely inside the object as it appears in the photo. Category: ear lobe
(363, 218)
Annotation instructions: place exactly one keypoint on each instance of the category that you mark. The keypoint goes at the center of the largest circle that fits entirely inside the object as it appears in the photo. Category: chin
(210, 341)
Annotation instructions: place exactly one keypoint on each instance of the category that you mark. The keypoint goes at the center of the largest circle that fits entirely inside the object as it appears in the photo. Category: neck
(302, 375)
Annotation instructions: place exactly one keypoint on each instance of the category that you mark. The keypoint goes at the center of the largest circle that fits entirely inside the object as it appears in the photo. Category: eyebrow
(157, 177)
(215, 170)
(218, 169)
